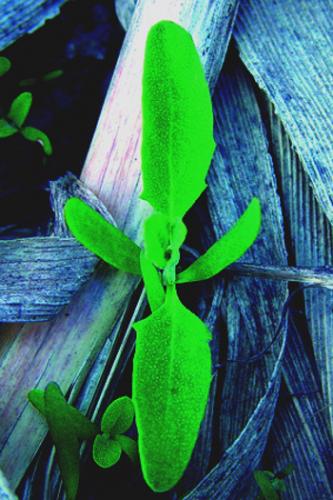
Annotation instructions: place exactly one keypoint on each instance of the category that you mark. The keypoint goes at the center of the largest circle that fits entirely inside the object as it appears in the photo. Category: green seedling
(51, 75)
(172, 362)
(5, 65)
(14, 122)
(108, 446)
(69, 427)
(272, 485)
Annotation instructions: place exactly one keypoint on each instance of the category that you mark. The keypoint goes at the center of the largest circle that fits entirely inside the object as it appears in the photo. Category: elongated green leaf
(153, 283)
(52, 75)
(6, 129)
(128, 446)
(5, 65)
(106, 451)
(118, 416)
(36, 135)
(177, 133)
(20, 108)
(101, 237)
(171, 379)
(28, 82)
(163, 238)
(80, 424)
(228, 249)
(65, 440)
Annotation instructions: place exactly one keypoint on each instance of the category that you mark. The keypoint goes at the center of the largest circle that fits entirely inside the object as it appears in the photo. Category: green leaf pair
(108, 446)
(115, 248)
(270, 484)
(13, 123)
(67, 428)
(51, 75)
(172, 361)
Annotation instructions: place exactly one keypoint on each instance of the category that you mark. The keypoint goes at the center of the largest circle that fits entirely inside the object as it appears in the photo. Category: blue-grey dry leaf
(242, 168)
(311, 245)
(5, 491)
(63, 265)
(301, 434)
(19, 17)
(287, 46)
(239, 460)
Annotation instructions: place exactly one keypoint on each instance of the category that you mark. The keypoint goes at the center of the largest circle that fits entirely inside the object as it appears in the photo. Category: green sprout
(117, 419)
(172, 363)
(51, 75)
(272, 485)
(14, 122)
(69, 427)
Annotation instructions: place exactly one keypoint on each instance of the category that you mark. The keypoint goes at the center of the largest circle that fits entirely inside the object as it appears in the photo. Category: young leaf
(118, 416)
(264, 481)
(163, 239)
(65, 440)
(228, 249)
(177, 130)
(153, 283)
(171, 379)
(106, 451)
(36, 135)
(5, 65)
(52, 75)
(6, 129)
(27, 82)
(80, 424)
(128, 446)
(20, 108)
(36, 398)
(101, 237)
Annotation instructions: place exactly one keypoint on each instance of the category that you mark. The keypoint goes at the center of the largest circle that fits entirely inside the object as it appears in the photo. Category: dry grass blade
(24, 16)
(289, 56)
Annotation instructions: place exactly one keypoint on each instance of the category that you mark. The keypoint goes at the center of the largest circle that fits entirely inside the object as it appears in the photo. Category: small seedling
(172, 361)
(51, 75)
(69, 427)
(117, 419)
(14, 121)
(272, 485)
